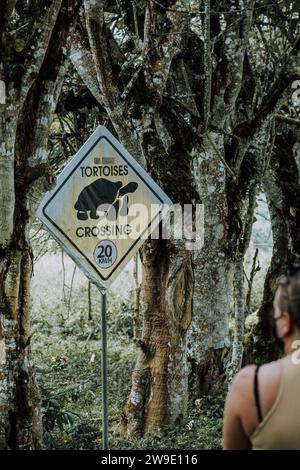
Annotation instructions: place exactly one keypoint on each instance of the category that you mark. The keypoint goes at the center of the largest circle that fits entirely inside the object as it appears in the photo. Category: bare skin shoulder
(240, 415)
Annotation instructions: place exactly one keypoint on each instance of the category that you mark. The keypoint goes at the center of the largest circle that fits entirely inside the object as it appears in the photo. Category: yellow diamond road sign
(103, 207)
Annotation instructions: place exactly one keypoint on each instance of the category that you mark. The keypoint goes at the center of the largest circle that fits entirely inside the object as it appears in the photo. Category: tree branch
(83, 63)
(97, 33)
(286, 76)
(157, 68)
(101, 44)
(44, 27)
(207, 64)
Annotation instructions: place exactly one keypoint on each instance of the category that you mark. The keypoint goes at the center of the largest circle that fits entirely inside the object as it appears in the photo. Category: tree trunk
(239, 319)
(33, 79)
(159, 383)
(239, 285)
(282, 188)
(208, 337)
(20, 418)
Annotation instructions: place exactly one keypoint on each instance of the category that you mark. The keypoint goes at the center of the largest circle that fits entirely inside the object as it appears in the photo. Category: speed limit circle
(105, 254)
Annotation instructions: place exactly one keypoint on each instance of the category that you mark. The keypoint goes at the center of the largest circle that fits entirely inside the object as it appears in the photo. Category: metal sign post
(104, 372)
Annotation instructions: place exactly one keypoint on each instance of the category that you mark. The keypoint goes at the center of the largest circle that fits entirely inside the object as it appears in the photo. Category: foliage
(68, 370)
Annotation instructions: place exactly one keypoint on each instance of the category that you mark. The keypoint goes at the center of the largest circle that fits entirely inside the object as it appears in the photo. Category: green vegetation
(66, 350)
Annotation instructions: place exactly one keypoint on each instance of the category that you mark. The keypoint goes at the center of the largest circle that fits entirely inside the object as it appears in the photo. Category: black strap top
(256, 395)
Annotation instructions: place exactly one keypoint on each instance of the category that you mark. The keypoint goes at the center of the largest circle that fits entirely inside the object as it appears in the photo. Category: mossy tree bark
(159, 382)
(282, 188)
(32, 69)
(234, 156)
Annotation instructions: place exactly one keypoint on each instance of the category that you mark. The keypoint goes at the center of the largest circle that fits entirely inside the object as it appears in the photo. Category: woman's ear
(287, 324)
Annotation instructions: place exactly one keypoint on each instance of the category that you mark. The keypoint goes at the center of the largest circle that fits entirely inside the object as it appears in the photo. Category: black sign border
(67, 178)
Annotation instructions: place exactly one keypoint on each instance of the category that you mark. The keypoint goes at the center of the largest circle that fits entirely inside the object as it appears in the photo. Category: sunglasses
(292, 269)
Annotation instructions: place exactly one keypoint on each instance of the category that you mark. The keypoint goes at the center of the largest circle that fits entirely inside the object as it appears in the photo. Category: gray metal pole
(104, 372)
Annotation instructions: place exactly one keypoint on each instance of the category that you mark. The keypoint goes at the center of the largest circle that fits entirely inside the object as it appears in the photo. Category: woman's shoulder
(267, 388)
(242, 383)
(271, 368)
(267, 373)
(244, 375)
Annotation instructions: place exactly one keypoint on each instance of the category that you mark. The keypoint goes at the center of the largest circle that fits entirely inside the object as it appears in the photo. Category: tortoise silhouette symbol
(104, 192)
